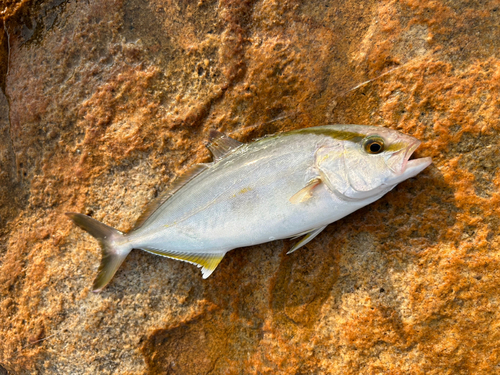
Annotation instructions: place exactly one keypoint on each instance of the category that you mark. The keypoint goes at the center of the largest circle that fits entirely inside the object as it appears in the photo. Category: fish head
(360, 161)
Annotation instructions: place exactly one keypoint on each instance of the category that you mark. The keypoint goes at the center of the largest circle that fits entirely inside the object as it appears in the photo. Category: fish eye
(373, 145)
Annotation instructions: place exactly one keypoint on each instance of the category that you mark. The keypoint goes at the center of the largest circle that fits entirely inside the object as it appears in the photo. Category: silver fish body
(274, 188)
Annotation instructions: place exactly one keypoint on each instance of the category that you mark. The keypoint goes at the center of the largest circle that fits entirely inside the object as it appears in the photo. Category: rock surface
(104, 102)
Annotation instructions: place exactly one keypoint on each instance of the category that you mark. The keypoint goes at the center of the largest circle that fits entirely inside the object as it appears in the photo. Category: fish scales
(274, 188)
(241, 188)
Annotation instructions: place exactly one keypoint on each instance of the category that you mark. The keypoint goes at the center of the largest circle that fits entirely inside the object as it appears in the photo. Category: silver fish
(277, 187)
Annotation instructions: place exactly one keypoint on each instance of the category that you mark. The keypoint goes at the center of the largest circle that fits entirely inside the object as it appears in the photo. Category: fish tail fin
(113, 253)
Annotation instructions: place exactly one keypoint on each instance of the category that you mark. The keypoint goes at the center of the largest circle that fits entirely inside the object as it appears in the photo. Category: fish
(286, 185)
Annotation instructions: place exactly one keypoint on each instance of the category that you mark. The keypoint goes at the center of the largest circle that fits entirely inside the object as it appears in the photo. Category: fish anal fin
(220, 144)
(305, 193)
(178, 183)
(307, 238)
(207, 261)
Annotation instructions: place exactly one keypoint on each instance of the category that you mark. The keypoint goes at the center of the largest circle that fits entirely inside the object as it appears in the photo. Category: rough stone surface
(103, 102)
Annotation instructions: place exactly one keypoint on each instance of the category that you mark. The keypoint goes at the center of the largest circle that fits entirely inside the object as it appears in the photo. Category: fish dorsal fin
(220, 144)
(178, 183)
(307, 238)
(207, 261)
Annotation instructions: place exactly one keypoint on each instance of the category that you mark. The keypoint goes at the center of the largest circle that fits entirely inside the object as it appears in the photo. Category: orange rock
(106, 98)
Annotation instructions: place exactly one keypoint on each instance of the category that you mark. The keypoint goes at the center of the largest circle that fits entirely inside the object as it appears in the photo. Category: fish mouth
(415, 166)
(403, 167)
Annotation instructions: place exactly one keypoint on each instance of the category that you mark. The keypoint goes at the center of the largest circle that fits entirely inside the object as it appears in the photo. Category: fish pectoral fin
(207, 261)
(307, 238)
(305, 193)
(220, 144)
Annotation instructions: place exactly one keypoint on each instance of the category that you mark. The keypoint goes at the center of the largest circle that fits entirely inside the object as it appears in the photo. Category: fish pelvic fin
(208, 262)
(307, 238)
(113, 249)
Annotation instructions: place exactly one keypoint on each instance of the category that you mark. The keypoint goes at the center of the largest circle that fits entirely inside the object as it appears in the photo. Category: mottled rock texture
(104, 102)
